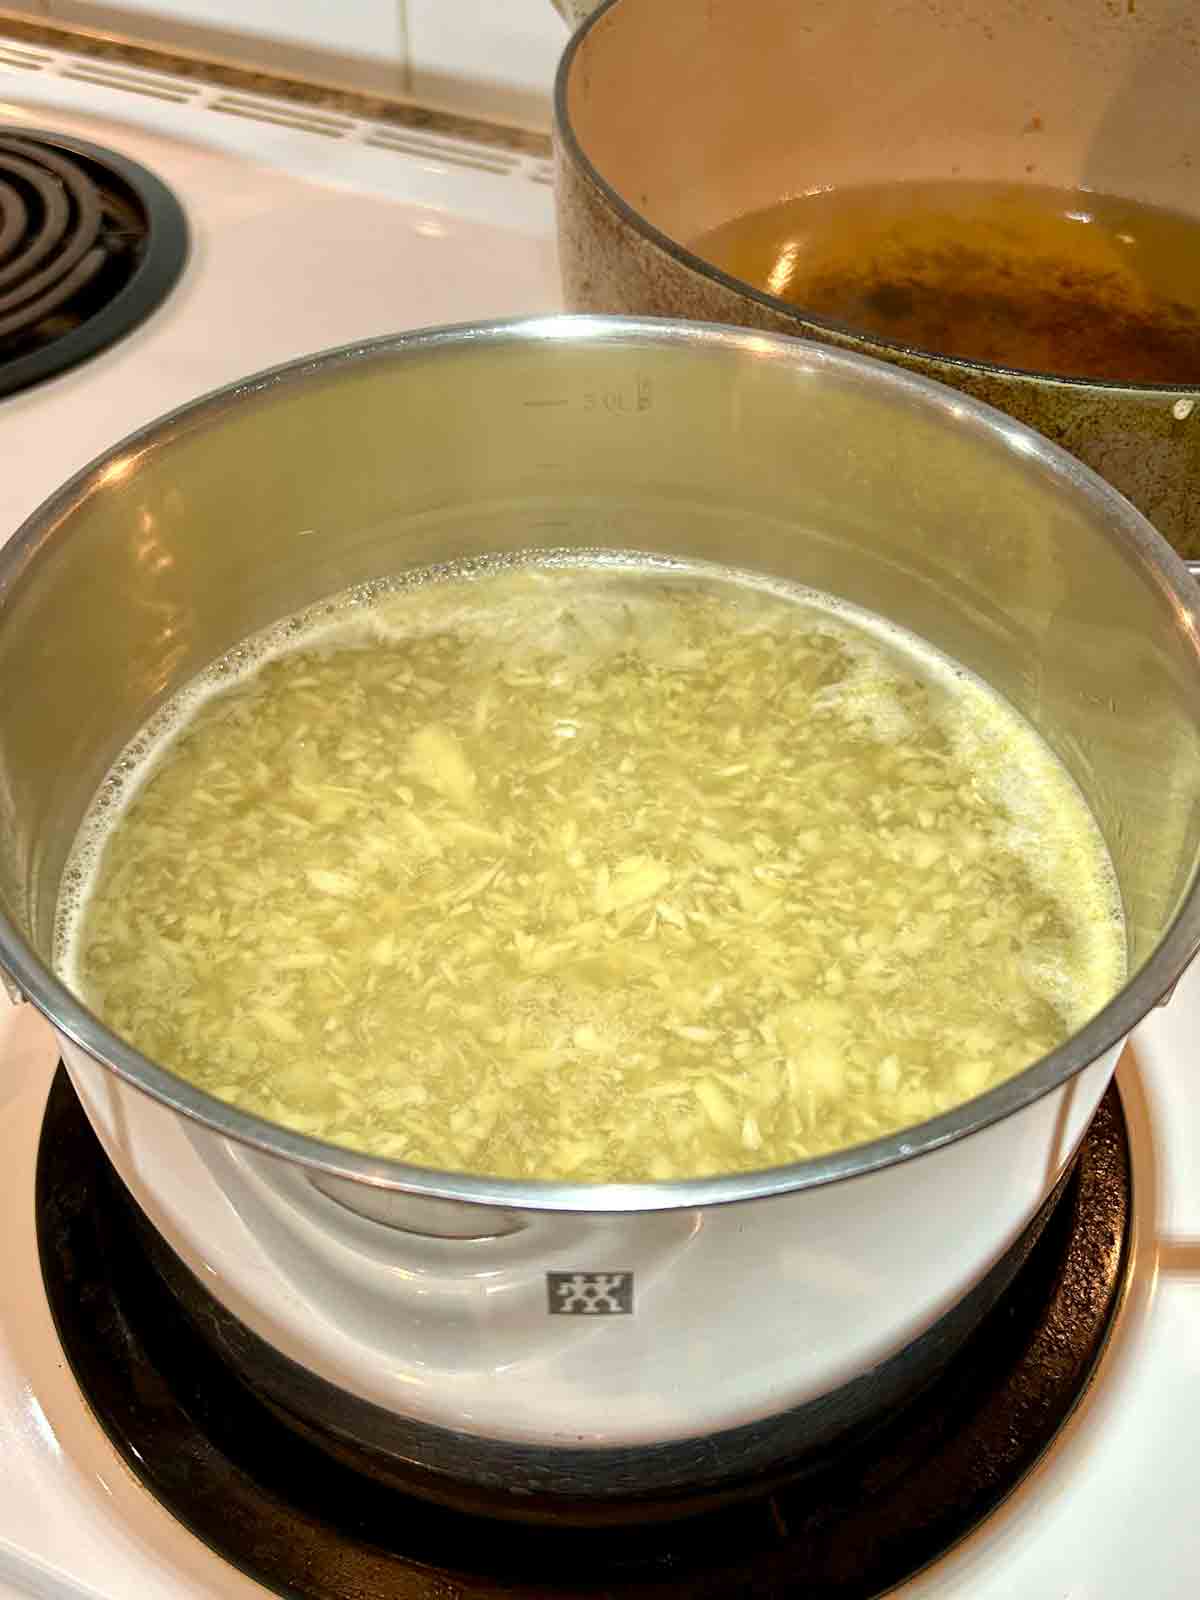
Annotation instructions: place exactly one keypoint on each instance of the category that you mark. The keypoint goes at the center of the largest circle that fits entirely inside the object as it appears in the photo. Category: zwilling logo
(585, 1294)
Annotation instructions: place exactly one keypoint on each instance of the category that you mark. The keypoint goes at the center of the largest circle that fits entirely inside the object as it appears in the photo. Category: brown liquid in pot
(1050, 280)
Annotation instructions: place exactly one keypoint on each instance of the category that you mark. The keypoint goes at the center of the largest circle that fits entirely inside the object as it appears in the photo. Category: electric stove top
(306, 229)
(307, 1512)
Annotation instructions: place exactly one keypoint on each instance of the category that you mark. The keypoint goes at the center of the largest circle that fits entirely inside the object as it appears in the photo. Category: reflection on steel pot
(673, 118)
(599, 1340)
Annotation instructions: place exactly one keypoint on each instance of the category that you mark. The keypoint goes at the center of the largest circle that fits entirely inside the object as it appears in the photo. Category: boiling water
(1050, 280)
(605, 873)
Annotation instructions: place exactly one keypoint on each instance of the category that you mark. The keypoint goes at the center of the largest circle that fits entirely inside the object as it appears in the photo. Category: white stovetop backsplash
(489, 58)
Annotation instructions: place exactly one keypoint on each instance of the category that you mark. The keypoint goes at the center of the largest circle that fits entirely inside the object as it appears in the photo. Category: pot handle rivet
(1182, 410)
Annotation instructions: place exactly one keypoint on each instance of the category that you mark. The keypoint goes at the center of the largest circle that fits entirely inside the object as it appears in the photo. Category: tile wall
(492, 58)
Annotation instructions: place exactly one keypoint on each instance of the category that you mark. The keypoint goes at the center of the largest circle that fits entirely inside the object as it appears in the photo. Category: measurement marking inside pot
(546, 402)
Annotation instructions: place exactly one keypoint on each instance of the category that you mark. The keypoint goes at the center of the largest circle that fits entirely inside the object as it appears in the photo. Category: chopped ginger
(599, 873)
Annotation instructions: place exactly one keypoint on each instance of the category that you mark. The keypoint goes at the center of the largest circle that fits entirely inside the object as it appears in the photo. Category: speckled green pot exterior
(1145, 441)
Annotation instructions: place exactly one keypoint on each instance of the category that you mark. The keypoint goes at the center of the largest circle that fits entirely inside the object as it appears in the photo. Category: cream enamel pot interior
(673, 117)
(762, 1315)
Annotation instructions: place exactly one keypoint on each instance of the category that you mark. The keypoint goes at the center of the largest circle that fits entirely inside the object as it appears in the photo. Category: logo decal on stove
(583, 1294)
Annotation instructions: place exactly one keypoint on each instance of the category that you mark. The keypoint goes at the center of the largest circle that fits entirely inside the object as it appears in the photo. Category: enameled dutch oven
(673, 117)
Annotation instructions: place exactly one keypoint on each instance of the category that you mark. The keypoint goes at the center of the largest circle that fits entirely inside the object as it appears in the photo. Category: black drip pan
(280, 1508)
(91, 243)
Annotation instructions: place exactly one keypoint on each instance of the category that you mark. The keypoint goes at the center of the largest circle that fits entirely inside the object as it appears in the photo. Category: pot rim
(805, 320)
(37, 983)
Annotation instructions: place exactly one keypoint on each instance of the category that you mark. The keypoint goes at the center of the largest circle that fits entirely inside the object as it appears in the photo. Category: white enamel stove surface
(316, 231)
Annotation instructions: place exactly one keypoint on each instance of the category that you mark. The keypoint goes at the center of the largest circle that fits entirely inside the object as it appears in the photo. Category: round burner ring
(303, 1524)
(90, 245)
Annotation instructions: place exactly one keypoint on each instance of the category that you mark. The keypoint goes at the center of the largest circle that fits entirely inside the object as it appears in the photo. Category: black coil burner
(90, 244)
(307, 1524)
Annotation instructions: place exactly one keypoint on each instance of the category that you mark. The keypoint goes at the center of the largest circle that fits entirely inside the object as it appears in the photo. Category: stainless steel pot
(673, 117)
(432, 1314)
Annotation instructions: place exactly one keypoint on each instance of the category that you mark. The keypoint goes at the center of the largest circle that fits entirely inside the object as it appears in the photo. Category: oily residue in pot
(1062, 281)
